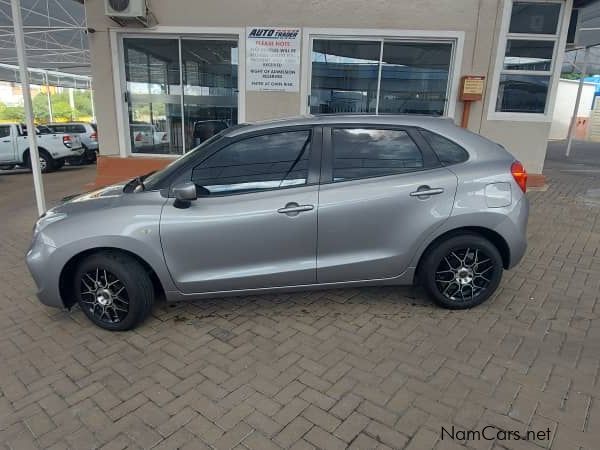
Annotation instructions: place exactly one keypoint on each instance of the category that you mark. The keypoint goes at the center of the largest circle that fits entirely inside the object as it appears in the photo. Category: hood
(100, 198)
(115, 190)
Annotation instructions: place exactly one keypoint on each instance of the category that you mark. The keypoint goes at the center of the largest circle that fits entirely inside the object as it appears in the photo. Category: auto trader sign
(272, 59)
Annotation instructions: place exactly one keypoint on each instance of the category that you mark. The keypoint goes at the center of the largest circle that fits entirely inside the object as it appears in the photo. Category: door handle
(425, 191)
(293, 209)
(6, 141)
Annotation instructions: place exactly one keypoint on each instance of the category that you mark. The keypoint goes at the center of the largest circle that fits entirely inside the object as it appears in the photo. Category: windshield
(157, 178)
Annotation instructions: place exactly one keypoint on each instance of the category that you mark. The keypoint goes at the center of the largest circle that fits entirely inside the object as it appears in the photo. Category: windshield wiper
(132, 184)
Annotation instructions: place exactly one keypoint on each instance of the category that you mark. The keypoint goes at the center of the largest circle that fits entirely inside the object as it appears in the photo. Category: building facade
(160, 91)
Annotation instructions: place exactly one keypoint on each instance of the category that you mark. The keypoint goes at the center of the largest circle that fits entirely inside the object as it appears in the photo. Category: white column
(577, 100)
(24, 75)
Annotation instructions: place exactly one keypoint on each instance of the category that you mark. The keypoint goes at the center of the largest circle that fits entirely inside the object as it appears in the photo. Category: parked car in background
(205, 129)
(87, 132)
(296, 204)
(146, 138)
(54, 148)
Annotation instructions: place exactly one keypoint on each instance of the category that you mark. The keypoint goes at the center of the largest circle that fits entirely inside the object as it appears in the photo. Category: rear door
(383, 190)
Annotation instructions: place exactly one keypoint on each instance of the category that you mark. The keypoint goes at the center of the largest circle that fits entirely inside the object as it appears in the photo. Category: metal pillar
(577, 100)
(32, 137)
(48, 97)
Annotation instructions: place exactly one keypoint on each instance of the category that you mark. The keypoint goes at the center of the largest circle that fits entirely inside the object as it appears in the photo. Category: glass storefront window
(523, 93)
(534, 18)
(526, 54)
(379, 76)
(344, 76)
(414, 78)
(154, 71)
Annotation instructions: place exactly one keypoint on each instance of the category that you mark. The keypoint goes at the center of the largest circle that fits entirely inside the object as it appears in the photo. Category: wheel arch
(66, 288)
(494, 237)
(40, 149)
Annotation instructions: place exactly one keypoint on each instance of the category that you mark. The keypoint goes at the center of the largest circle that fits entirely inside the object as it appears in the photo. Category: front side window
(528, 62)
(448, 152)
(365, 153)
(257, 163)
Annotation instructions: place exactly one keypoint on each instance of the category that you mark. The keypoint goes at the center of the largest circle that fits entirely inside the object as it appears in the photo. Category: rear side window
(57, 128)
(76, 129)
(257, 163)
(448, 152)
(4, 131)
(365, 153)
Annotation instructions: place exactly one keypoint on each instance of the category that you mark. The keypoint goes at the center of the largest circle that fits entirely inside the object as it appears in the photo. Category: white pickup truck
(54, 148)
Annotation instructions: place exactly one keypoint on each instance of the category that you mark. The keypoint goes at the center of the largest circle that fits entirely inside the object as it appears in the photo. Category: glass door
(153, 94)
(210, 87)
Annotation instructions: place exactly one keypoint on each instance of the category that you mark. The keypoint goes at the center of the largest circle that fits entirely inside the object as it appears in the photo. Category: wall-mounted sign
(272, 59)
(471, 88)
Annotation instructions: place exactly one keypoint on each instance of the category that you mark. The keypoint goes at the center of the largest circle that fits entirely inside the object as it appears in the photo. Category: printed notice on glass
(272, 59)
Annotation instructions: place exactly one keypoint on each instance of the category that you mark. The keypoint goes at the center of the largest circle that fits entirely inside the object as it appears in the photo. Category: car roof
(476, 144)
(330, 119)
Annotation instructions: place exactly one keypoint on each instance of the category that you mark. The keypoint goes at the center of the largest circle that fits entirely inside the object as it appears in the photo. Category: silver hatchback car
(295, 204)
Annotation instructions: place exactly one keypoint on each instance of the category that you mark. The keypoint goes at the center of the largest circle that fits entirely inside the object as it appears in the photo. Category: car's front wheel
(462, 271)
(113, 290)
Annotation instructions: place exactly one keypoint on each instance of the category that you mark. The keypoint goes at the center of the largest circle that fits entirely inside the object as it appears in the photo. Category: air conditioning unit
(123, 10)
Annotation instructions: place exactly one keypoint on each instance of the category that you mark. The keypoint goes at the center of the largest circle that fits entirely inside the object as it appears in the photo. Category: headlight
(47, 219)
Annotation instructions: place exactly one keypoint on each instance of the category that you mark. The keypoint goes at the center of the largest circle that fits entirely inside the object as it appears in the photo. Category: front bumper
(45, 274)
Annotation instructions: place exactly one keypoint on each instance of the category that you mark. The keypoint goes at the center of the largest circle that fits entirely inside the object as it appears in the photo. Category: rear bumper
(514, 231)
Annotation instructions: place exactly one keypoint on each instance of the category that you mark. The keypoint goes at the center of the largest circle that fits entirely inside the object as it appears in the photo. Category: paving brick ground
(359, 368)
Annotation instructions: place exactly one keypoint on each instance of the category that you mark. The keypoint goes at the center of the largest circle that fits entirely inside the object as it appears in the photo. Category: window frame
(314, 159)
(430, 160)
(559, 39)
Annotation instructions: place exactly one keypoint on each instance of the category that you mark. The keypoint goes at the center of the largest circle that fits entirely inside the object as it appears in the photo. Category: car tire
(113, 290)
(462, 271)
(46, 161)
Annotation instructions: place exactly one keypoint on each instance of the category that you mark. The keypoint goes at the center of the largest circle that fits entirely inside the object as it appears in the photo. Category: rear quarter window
(76, 129)
(448, 152)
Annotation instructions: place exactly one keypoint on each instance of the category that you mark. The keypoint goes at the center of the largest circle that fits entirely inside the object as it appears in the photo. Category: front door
(256, 224)
(371, 218)
(7, 150)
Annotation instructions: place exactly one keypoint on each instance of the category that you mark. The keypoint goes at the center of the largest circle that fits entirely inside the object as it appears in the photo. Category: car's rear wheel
(462, 271)
(46, 161)
(113, 290)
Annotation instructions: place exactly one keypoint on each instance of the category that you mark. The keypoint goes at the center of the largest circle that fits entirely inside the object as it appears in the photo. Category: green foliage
(61, 108)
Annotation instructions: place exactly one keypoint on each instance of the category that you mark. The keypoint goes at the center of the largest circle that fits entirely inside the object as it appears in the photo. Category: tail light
(139, 137)
(519, 174)
(67, 140)
(94, 136)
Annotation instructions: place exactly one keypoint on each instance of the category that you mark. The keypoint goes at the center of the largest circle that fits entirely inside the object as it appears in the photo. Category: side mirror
(184, 194)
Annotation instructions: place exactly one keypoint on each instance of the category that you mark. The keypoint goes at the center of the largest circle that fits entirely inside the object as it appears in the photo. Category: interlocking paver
(358, 368)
